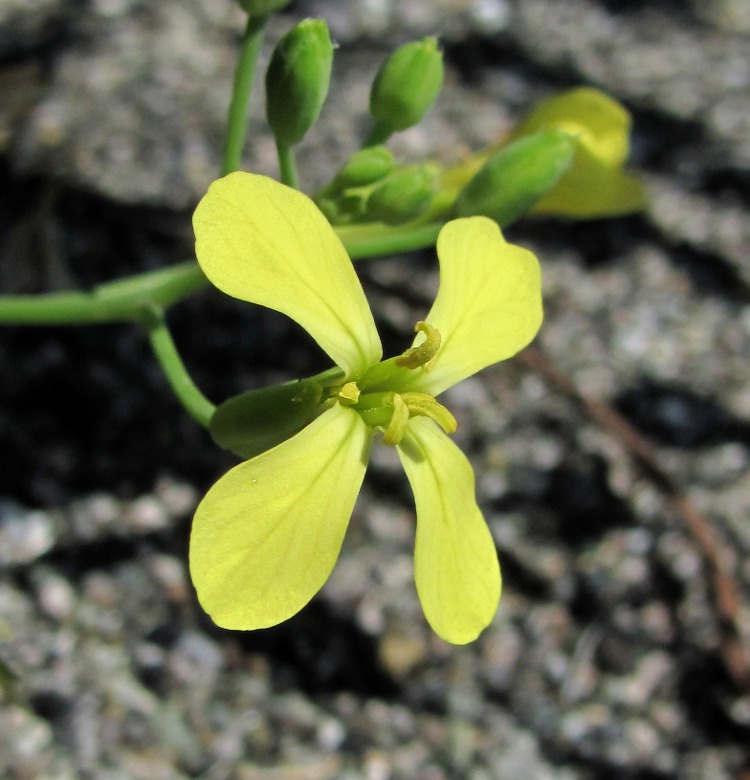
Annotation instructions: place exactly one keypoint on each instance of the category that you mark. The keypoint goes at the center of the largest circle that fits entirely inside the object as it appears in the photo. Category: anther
(397, 426)
(348, 394)
(423, 354)
(423, 405)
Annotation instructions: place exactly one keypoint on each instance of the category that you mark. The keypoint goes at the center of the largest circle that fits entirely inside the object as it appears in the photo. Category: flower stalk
(182, 384)
(237, 117)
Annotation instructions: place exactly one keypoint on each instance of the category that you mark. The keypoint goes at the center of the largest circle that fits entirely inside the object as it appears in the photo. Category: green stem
(197, 405)
(378, 135)
(243, 82)
(129, 300)
(287, 165)
(125, 300)
(373, 239)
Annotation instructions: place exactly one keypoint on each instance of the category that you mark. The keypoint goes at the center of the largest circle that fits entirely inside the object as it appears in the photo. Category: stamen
(423, 354)
(348, 394)
(391, 412)
(423, 405)
(397, 426)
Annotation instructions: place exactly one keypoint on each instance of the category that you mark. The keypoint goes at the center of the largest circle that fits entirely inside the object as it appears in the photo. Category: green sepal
(407, 85)
(297, 80)
(262, 7)
(366, 166)
(257, 420)
(403, 195)
(516, 177)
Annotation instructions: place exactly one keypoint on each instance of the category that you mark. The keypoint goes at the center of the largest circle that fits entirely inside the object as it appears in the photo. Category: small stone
(170, 572)
(195, 656)
(653, 670)
(399, 654)
(331, 734)
(179, 498)
(146, 514)
(56, 596)
(24, 536)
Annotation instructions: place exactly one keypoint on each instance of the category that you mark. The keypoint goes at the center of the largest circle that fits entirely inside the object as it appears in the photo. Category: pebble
(24, 536)
(55, 595)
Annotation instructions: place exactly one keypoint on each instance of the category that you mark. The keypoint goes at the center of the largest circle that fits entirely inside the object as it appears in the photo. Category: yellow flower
(268, 533)
(595, 184)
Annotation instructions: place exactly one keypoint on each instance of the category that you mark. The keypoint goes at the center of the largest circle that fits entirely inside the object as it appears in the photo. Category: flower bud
(595, 185)
(366, 167)
(403, 195)
(262, 7)
(407, 85)
(297, 80)
(516, 177)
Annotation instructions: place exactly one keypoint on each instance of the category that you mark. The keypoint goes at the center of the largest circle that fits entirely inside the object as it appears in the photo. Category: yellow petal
(600, 123)
(268, 533)
(591, 188)
(455, 561)
(488, 307)
(266, 243)
(594, 185)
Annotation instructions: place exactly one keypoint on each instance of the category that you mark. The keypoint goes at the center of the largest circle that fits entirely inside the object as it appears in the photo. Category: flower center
(388, 409)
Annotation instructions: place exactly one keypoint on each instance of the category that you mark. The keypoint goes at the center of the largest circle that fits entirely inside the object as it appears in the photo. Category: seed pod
(407, 85)
(297, 80)
(403, 195)
(516, 177)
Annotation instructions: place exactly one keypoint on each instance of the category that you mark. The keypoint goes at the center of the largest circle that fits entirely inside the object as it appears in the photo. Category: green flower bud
(365, 167)
(262, 7)
(297, 80)
(255, 421)
(407, 85)
(516, 177)
(403, 196)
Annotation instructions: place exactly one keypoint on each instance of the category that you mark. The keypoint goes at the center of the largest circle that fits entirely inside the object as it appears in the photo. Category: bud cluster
(562, 140)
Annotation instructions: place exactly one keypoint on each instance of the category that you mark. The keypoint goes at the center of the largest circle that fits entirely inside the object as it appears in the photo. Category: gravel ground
(605, 658)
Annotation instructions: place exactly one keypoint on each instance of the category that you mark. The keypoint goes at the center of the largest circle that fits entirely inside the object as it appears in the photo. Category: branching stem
(126, 300)
(196, 404)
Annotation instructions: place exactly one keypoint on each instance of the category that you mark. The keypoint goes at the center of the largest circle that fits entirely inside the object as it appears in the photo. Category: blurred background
(609, 655)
